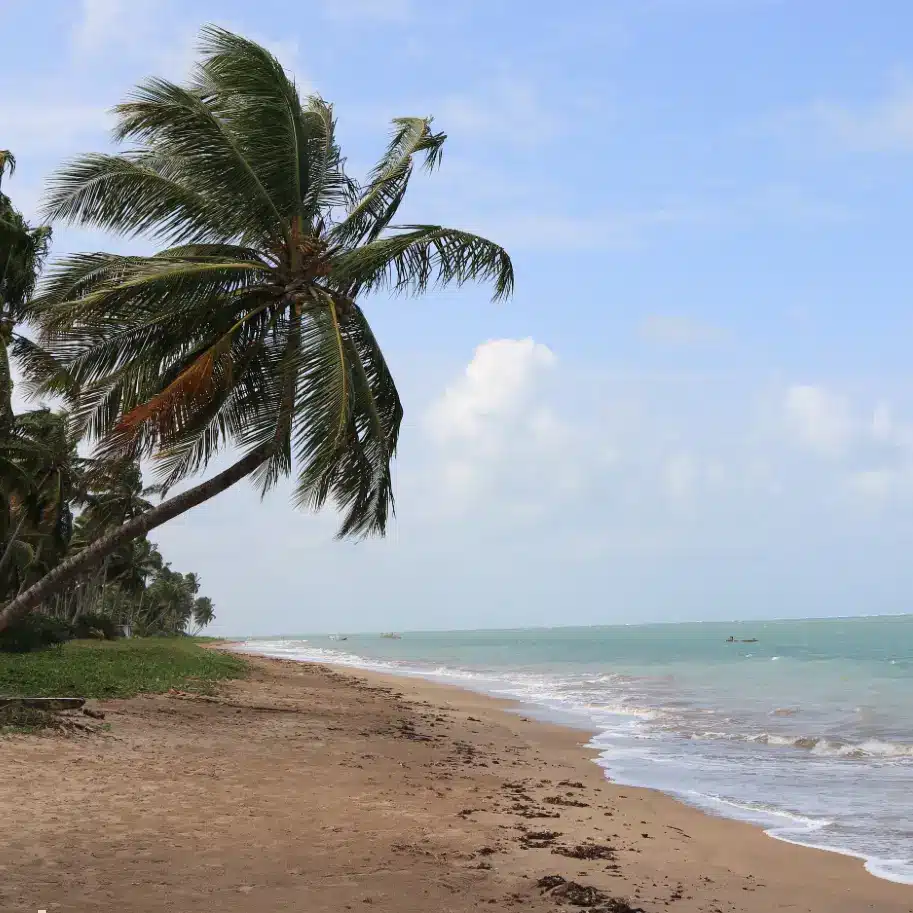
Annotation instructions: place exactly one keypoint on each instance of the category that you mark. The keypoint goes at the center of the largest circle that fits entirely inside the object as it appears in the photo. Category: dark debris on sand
(579, 895)
(570, 803)
(585, 851)
(538, 840)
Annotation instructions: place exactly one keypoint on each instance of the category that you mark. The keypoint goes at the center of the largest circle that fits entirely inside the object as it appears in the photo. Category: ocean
(802, 727)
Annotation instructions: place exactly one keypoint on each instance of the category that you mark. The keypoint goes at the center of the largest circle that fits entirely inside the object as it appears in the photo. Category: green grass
(121, 668)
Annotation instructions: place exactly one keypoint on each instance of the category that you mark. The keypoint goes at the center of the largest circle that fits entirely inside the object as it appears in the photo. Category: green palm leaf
(378, 204)
(420, 256)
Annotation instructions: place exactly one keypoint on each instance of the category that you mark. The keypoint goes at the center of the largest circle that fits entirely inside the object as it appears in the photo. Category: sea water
(806, 731)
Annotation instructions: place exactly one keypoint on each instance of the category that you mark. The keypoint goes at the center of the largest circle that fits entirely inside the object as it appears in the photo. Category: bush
(34, 632)
(97, 626)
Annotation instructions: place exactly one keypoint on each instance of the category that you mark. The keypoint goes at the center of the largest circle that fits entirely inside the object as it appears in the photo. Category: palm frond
(132, 194)
(260, 109)
(43, 374)
(7, 163)
(420, 256)
(95, 294)
(347, 433)
(324, 181)
(377, 206)
(179, 125)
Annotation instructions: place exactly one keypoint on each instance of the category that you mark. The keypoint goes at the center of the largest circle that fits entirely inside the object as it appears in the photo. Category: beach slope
(308, 788)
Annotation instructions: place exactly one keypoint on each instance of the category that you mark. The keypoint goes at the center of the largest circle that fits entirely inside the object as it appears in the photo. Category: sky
(699, 402)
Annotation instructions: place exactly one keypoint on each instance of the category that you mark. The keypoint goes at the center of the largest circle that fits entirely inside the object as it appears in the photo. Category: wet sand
(312, 789)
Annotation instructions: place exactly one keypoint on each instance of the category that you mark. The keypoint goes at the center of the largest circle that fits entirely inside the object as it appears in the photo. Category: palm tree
(22, 252)
(48, 456)
(113, 493)
(246, 331)
(203, 613)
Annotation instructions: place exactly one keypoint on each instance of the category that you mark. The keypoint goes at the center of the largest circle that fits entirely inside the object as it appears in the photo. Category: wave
(801, 830)
(817, 745)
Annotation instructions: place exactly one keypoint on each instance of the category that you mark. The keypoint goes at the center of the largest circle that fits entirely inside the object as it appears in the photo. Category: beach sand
(310, 789)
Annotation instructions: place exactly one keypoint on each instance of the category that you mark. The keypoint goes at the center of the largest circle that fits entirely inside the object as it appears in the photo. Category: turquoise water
(808, 731)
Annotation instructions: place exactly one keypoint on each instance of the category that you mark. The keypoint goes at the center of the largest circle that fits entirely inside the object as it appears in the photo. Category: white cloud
(670, 329)
(495, 384)
(520, 434)
(820, 419)
(497, 440)
(870, 455)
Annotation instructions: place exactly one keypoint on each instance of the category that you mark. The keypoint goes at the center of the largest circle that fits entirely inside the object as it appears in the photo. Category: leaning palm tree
(246, 332)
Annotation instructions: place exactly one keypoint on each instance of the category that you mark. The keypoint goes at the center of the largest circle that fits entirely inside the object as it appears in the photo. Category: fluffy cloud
(494, 433)
(869, 453)
(495, 385)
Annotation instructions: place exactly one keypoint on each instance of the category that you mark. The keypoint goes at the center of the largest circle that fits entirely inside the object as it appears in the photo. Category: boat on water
(338, 637)
(392, 636)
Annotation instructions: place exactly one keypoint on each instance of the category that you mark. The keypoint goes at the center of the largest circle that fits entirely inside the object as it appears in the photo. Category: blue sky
(699, 403)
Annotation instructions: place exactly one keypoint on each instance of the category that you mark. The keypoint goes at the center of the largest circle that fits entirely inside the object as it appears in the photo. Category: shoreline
(539, 714)
(318, 788)
(750, 816)
(570, 735)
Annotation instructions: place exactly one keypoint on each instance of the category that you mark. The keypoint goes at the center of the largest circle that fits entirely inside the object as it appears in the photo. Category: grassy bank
(123, 668)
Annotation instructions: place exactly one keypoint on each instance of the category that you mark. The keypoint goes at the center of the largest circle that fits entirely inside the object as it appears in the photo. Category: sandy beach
(317, 789)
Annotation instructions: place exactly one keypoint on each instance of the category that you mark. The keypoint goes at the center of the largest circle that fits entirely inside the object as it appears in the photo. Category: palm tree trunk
(139, 526)
(8, 551)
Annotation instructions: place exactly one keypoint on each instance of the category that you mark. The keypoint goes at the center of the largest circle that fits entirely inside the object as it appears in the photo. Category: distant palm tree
(112, 493)
(203, 613)
(246, 330)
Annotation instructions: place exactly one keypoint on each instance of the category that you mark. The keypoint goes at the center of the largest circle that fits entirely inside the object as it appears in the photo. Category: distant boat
(338, 637)
(392, 636)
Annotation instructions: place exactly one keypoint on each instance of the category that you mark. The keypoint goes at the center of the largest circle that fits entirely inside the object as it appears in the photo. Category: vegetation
(22, 252)
(54, 503)
(119, 669)
(245, 332)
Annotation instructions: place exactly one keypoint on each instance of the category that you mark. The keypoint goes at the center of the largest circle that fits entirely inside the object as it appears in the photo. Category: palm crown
(246, 330)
